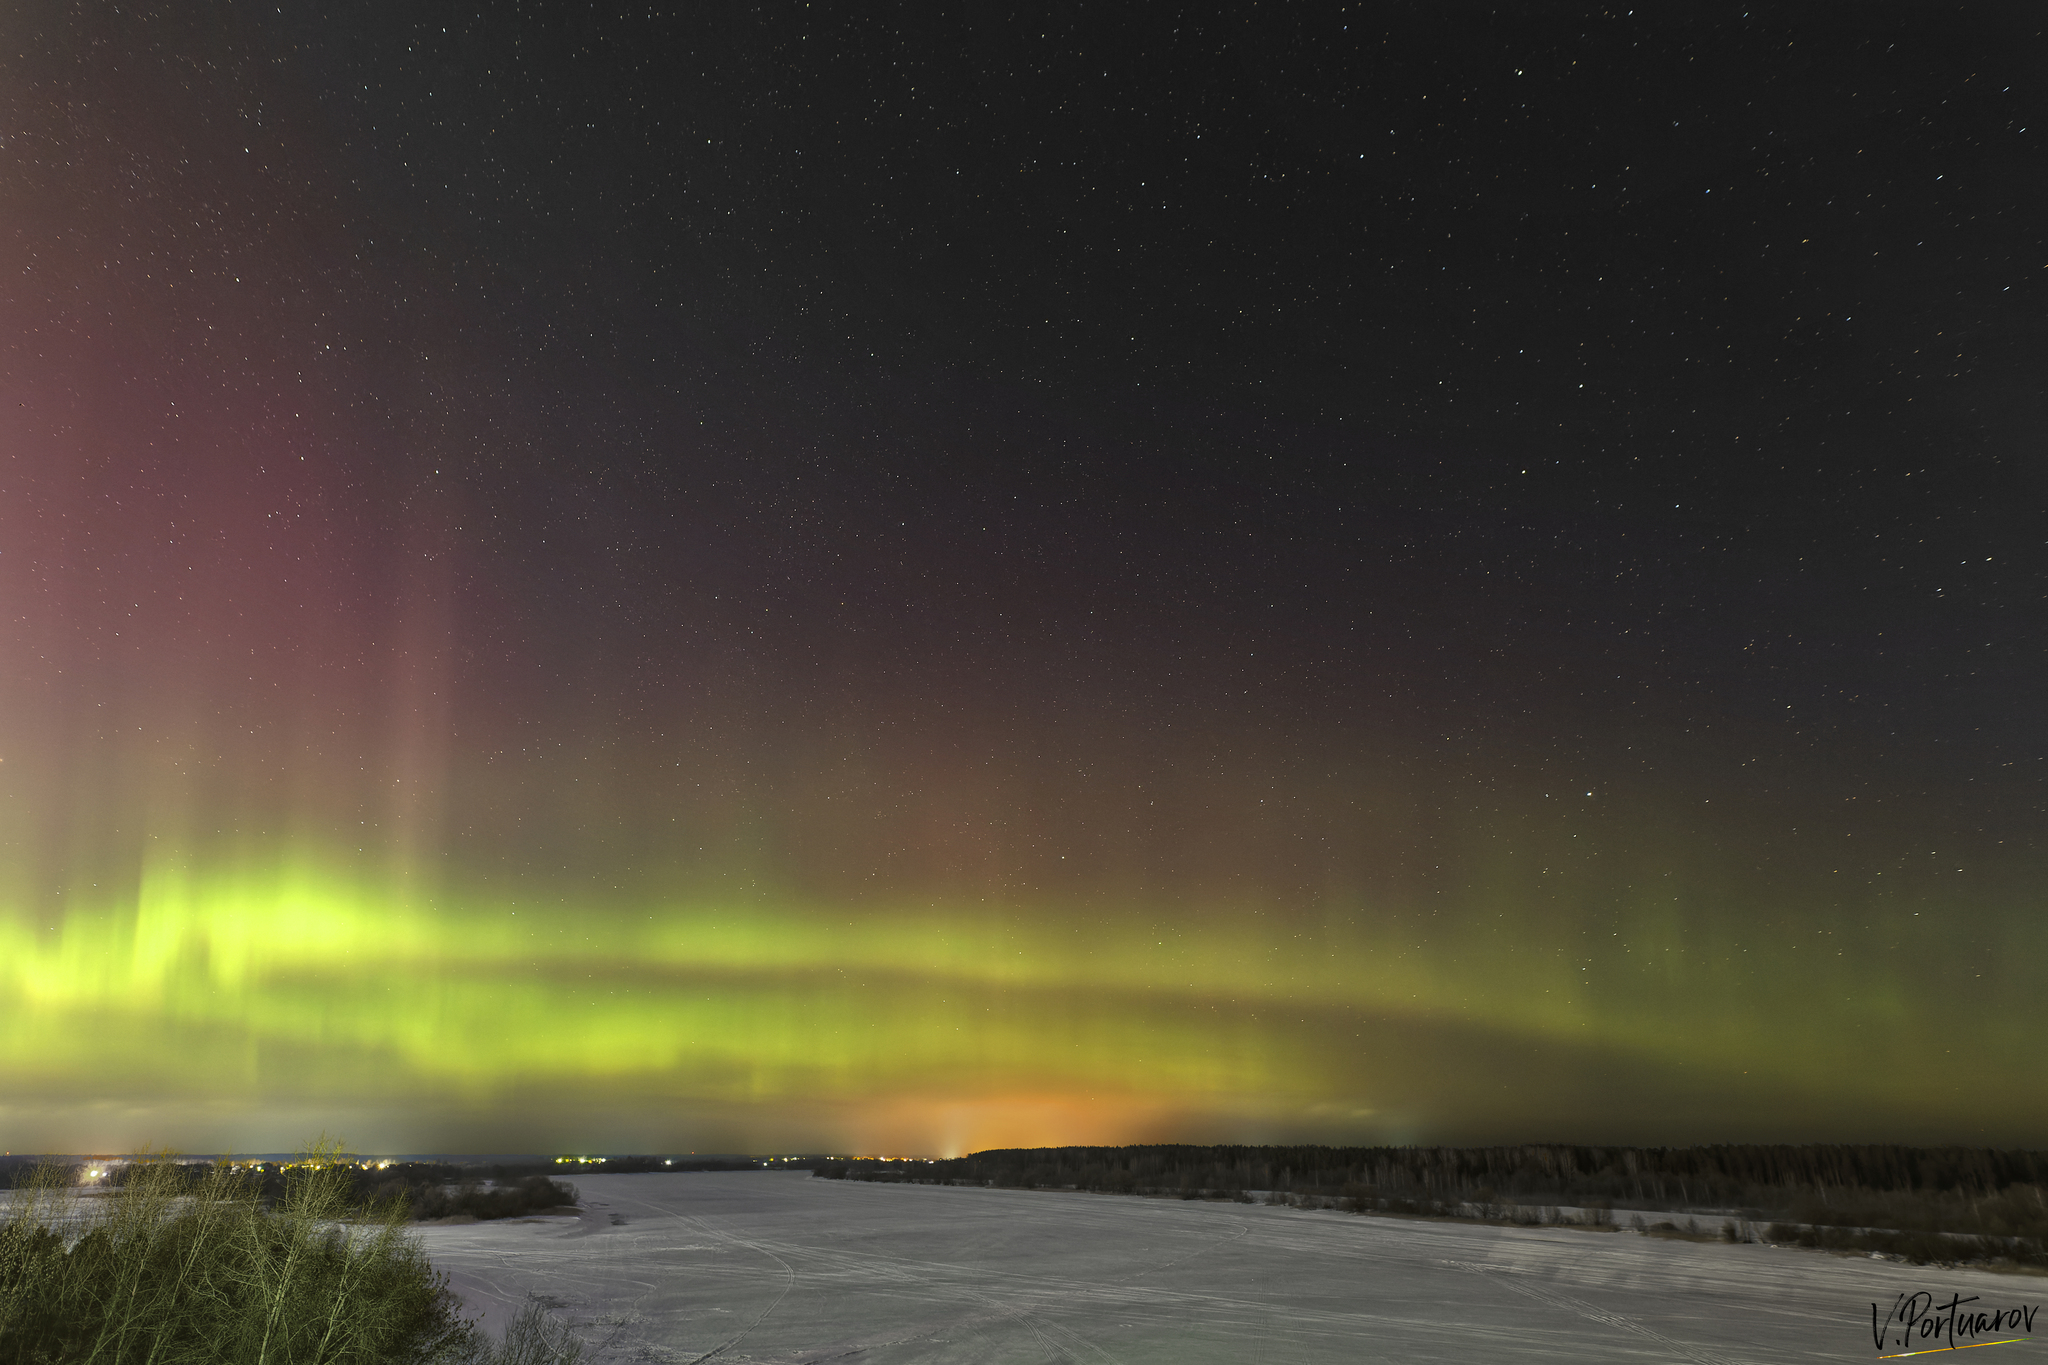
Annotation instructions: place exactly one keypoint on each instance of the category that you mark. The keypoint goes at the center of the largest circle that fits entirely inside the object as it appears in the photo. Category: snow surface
(773, 1266)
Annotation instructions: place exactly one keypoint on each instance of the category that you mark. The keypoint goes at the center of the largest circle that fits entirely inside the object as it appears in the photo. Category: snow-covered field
(781, 1267)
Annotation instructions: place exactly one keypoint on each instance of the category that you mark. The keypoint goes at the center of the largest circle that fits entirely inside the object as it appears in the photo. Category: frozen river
(781, 1267)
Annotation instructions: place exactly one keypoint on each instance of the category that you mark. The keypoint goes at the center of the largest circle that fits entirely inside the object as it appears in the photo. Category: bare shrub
(184, 1265)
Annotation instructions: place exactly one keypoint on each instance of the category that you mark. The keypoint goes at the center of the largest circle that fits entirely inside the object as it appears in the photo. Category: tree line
(424, 1189)
(1937, 1190)
(1731, 1175)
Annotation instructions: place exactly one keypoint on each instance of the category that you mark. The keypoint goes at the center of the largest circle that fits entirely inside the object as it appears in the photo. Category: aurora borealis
(733, 581)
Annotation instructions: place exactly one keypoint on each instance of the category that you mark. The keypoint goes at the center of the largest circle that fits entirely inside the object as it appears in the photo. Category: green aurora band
(916, 1028)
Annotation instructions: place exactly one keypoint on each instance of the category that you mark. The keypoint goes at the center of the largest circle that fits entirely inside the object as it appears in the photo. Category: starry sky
(666, 578)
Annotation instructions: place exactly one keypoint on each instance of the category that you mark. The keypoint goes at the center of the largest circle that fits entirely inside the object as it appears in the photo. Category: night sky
(599, 577)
